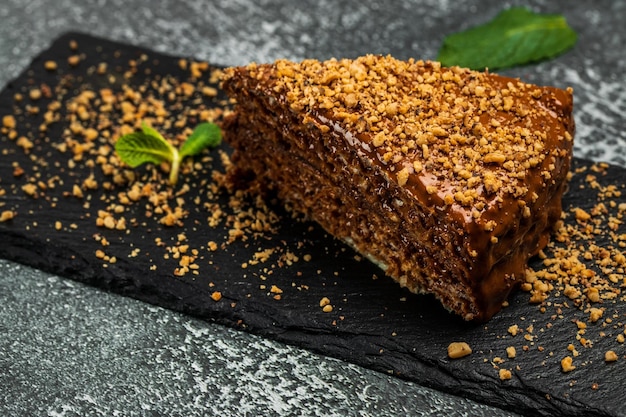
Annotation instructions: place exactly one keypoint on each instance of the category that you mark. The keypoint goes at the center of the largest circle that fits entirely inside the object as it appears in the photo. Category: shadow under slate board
(271, 277)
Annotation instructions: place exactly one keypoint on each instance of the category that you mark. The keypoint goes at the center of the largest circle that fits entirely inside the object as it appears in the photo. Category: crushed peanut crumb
(511, 352)
(610, 356)
(566, 364)
(458, 350)
(505, 374)
(6, 215)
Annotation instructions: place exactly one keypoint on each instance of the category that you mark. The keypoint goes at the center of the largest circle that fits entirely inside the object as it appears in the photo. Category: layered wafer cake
(448, 179)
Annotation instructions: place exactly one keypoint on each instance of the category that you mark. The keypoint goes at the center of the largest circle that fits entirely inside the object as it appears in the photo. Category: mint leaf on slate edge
(515, 36)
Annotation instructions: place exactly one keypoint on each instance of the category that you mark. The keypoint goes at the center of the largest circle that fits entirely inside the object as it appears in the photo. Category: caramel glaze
(332, 173)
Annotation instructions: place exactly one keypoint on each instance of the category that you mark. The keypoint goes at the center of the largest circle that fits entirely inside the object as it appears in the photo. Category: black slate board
(374, 323)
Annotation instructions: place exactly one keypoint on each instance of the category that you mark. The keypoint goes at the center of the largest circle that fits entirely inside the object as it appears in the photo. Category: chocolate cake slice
(448, 179)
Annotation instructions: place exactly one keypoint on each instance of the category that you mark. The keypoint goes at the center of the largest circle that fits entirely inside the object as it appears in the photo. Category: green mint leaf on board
(205, 135)
(149, 130)
(149, 146)
(139, 148)
(516, 36)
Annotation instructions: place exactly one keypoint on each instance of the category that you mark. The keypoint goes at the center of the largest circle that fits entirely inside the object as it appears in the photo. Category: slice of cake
(448, 179)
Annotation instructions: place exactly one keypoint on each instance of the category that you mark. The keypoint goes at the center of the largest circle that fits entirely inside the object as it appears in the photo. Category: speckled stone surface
(71, 350)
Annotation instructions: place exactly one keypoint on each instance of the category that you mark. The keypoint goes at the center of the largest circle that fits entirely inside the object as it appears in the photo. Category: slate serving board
(374, 323)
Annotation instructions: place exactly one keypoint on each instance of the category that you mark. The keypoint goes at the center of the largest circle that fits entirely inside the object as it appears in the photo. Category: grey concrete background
(71, 350)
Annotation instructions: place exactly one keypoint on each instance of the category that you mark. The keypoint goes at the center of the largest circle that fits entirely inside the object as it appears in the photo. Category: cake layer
(449, 179)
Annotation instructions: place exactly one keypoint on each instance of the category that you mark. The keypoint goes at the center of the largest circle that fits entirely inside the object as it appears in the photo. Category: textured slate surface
(372, 308)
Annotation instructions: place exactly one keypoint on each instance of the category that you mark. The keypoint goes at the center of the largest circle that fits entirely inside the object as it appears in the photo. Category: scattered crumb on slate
(458, 350)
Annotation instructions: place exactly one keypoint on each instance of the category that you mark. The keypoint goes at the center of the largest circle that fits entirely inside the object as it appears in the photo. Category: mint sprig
(516, 36)
(149, 146)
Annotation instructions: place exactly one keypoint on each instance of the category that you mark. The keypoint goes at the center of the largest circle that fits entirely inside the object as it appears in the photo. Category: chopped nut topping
(441, 120)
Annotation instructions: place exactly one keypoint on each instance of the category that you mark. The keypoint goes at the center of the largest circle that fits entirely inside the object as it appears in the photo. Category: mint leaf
(149, 145)
(139, 148)
(203, 136)
(149, 130)
(516, 36)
